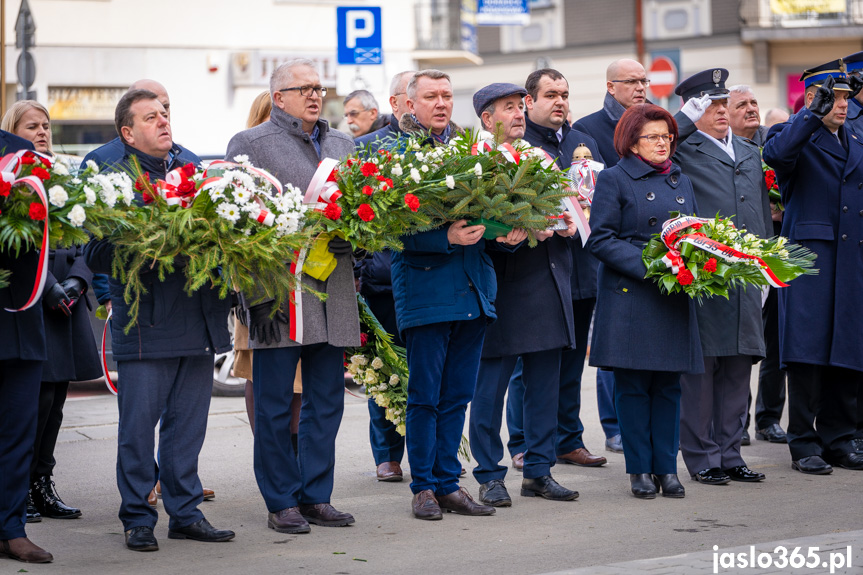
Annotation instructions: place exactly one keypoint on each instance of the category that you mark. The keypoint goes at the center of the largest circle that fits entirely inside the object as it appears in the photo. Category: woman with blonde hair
(30, 120)
(260, 111)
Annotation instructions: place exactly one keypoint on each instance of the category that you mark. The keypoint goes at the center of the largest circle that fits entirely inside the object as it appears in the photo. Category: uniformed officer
(819, 166)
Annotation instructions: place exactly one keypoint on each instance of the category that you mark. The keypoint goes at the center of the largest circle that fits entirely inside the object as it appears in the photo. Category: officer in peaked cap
(709, 83)
(854, 67)
(819, 167)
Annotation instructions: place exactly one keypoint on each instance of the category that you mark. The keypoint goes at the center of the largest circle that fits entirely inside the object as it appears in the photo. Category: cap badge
(717, 77)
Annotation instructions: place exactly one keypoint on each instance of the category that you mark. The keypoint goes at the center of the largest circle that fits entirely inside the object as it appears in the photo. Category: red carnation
(696, 226)
(367, 190)
(770, 179)
(37, 211)
(350, 162)
(369, 169)
(366, 213)
(380, 177)
(28, 159)
(45, 162)
(710, 265)
(5, 188)
(385, 153)
(189, 170)
(364, 339)
(412, 202)
(42, 174)
(332, 176)
(333, 211)
(186, 186)
(685, 277)
(140, 182)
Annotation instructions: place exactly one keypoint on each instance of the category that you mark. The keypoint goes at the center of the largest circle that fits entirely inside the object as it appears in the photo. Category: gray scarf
(613, 108)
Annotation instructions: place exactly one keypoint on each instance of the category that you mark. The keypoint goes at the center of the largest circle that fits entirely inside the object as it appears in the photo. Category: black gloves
(339, 246)
(856, 85)
(262, 328)
(74, 289)
(56, 299)
(822, 103)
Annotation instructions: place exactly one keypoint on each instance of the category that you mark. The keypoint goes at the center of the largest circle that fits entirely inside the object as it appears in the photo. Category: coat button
(861, 212)
(552, 266)
(845, 209)
(737, 172)
(743, 227)
(651, 221)
(680, 199)
(844, 180)
(742, 198)
(470, 315)
(427, 268)
(860, 186)
(206, 349)
(673, 179)
(650, 196)
(844, 237)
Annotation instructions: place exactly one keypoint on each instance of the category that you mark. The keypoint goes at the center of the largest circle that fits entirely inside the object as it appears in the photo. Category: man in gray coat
(727, 179)
(297, 487)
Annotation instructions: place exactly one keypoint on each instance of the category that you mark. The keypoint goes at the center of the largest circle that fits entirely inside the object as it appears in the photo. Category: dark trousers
(285, 479)
(770, 399)
(569, 426)
(822, 409)
(541, 373)
(648, 407)
(443, 359)
(387, 443)
(713, 412)
(515, 411)
(605, 403)
(52, 398)
(177, 392)
(19, 401)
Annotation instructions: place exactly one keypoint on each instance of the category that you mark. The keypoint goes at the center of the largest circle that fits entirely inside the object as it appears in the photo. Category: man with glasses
(297, 486)
(726, 175)
(361, 113)
(626, 85)
(399, 105)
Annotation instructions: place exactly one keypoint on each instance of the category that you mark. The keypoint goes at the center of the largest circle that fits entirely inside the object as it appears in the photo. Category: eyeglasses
(306, 91)
(634, 81)
(654, 138)
(354, 113)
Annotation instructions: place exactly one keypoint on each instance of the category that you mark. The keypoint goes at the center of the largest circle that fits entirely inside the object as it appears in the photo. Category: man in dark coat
(626, 85)
(726, 176)
(534, 322)
(376, 285)
(362, 115)
(165, 362)
(21, 357)
(547, 102)
(819, 166)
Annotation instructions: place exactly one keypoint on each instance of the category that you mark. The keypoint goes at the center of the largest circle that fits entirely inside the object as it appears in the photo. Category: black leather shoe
(548, 488)
(772, 433)
(812, 465)
(201, 531)
(494, 493)
(325, 515)
(858, 445)
(851, 460)
(743, 473)
(745, 439)
(141, 539)
(47, 501)
(712, 476)
(642, 485)
(33, 515)
(670, 485)
(288, 521)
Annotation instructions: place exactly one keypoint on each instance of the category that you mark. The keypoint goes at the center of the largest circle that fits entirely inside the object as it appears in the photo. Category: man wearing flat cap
(819, 166)
(534, 321)
(726, 175)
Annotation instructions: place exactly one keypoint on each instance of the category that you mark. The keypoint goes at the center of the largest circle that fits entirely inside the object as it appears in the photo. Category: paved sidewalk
(605, 531)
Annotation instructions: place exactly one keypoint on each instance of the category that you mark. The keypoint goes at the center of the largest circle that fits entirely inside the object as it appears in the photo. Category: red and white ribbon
(674, 261)
(486, 146)
(264, 216)
(10, 167)
(223, 165)
(572, 206)
(111, 387)
(169, 189)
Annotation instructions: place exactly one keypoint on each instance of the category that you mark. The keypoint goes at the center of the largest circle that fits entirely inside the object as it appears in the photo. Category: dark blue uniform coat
(821, 181)
(636, 326)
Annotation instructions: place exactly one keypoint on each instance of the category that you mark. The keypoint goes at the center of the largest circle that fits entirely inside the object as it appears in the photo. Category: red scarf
(661, 168)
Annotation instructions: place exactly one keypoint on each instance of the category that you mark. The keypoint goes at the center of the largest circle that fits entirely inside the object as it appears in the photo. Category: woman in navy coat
(646, 337)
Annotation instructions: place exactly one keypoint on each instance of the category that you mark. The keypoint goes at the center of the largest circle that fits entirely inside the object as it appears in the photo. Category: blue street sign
(359, 35)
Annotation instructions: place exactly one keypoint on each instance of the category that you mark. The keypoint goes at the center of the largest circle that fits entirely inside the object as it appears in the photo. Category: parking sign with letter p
(359, 35)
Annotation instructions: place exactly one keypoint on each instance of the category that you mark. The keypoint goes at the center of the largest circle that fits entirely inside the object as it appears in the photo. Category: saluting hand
(824, 98)
(694, 108)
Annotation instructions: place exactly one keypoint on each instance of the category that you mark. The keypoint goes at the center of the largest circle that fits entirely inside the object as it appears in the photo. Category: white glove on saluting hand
(694, 108)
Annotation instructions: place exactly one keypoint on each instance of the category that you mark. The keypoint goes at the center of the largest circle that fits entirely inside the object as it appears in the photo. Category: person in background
(775, 116)
(744, 117)
(399, 105)
(361, 113)
(72, 353)
(648, 338)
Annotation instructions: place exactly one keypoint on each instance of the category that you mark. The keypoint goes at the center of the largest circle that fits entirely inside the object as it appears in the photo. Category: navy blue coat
(636, 326)
(107, 155)
(170, 323)
(435, 282)
(385, 136)
(821, 183)
(534, 306)
(601, 128)
(583, 281)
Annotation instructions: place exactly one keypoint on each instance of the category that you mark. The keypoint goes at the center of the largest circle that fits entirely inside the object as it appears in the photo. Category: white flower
(242, 195)
(61, 169)
(477, 169)
(397, 170)
(229, 211)
(90, 195)
(370, 377)
(128, 196)
(377, 363)
(57, 196)
(415, 175)
(780, 242)
(241, 159)
(77, 215)
(394, 379)
(420, 156)
(450, 182)
(93, 166)
(424, 168)
(359, 360)
(76, 181)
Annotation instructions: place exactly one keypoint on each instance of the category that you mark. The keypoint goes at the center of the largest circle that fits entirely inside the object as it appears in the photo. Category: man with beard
(361, 113)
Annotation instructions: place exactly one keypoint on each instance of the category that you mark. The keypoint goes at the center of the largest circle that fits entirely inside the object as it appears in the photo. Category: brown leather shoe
(583, 457)
(325, 515)
(462, 503)
(518, 461)
(425, 506)
(288, 521)
(390, 471)
(209, 494)
(152, 498)
(24, 550)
